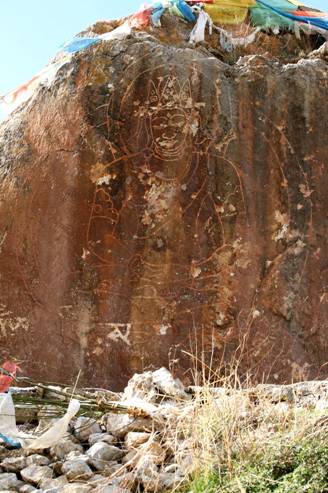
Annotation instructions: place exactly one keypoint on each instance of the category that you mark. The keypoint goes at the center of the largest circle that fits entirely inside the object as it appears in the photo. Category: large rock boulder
(156, 200)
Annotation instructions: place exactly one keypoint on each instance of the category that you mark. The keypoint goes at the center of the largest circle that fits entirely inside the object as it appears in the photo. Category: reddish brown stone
(155, 200)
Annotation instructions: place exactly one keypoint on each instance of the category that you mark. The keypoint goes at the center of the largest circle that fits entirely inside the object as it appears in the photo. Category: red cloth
(141, 19)
(308, 13)
(6, 380)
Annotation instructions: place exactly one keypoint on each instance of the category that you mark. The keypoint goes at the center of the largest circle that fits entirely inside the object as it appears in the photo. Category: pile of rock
(150, 448)
(122, 453)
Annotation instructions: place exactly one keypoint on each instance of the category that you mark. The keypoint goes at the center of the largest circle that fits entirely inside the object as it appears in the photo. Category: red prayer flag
(141, 19)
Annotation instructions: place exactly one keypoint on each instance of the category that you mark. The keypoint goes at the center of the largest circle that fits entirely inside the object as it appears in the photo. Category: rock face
(157, 200)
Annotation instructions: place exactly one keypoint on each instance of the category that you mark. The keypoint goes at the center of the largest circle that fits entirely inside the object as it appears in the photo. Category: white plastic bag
(8, 426)
(245, 40)
(229, 43)
(198, 33)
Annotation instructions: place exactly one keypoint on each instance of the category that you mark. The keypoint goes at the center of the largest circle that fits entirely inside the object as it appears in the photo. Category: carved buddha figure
(161, 216)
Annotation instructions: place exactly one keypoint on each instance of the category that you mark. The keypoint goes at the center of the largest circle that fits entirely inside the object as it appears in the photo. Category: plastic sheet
(57, 431)
(308, 29)
(14, 437)
(9, 441)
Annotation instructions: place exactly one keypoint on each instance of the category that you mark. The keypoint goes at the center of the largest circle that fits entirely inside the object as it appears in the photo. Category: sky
(32, 30)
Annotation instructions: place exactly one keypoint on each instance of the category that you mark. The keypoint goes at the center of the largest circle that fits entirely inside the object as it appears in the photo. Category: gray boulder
(103, 451)
(36, 474)
(53, 483)
(37, 460)
(64, 447)
(9, 481)
(28, 488)
(77, 470)
(14, 464)
(120, 425)
(134, 439)
(84, 427)
(102, 437)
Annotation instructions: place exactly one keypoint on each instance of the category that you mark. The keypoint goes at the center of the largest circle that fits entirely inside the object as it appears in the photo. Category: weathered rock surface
(37, 460)
(76, 488)
(120, 425)
(66, 446)
(101, 437)
(77, 469)
(84, 427)
(54, 483)
(36, 474)
(115, 489)
(156, 199)
(14, 464)
(102, 453)
(9, 481)
(28, 488)
(134, 439)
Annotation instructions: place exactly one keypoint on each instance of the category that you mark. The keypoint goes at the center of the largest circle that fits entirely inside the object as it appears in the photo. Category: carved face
(170, 130)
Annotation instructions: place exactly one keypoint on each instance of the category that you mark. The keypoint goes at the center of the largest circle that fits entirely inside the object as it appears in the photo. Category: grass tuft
(244, 442)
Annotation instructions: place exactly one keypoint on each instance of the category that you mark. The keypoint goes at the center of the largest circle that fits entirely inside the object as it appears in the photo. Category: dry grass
(239, 440)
